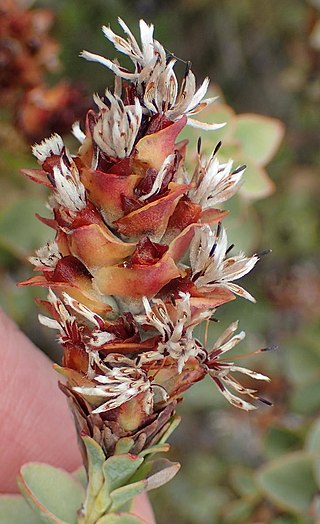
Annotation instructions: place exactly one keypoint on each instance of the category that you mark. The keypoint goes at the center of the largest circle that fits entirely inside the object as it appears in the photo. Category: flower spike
(140, 257)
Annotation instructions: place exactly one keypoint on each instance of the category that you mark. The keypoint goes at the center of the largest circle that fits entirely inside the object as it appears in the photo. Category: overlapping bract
(135, 264)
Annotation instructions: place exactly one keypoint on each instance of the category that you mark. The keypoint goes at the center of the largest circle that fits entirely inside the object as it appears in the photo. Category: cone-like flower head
(135, 264)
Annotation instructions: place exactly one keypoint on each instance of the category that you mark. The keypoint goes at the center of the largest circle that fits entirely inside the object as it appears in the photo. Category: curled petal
(107, 191)
(72, 277)
(97, 247)
(152, 220)
(155, 148)
(136, 281)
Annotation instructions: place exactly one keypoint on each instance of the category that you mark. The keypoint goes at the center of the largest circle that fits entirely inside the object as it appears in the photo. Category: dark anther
(199, 145)
(269, 348)
(265, 401)
(263, 253)
(229, 248)
(216, 149)
(238, 169)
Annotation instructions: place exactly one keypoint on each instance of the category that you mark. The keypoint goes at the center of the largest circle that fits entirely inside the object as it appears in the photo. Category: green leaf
(14, 509)
(243, 482)
(256, 182)
(161, 472)
(97, 495)
(119, 469)
(279, 440)
(158, 448)
(313, 438)
(303, 360)
(306, 398)
(289, 482)
(20, 231)
(120, 518)
(175, 421)
(54, 494)
(124, 494)
(259, 136)
(238, 511)
(80, 475)
(123, 445)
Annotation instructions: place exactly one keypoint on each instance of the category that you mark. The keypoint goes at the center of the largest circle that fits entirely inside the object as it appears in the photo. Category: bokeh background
(264, 62)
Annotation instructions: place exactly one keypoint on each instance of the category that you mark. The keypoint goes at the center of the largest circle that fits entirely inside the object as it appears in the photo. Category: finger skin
(35, 423)
(34, 418)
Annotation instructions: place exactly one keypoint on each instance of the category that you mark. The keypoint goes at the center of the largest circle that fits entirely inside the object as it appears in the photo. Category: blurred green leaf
(279, 440)
(313, 438)
(243, 481)
(303, 361)
(256, 182)
(238, 511)
(81, 476)
(120, 518)
(259, 136)
(53, 493)
(305, 398)
(289, 482)
(20, 231)
(14, 509)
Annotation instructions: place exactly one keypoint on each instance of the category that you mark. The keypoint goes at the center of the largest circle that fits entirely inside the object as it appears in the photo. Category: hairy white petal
(238, 290)
(203, 125)
(249, 372)
(49, 322)
(50, 146)
(99, 338)
(91, 57)
(117, 126)
(214, 183)
(226, 334)
(227, 346)
(211, 268)
(83, 310)
(156, 186)
(153, 76)
(237, 401)
(46, 256)
(78, 133)
(118, 385)
(69, 190)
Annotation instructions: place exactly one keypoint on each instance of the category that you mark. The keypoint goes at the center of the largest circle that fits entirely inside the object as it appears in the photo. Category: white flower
(166, 167)
(176, 332)
(117, 125)
(154, 77)
(50, 146)
(221, 370)
(214, 183)
(46, 257)
(84, 311)
(211, 268)
(66, 320)
(116, 387)
(69, 190)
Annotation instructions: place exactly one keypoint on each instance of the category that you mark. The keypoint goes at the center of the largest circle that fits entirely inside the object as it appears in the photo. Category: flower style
(135, 265)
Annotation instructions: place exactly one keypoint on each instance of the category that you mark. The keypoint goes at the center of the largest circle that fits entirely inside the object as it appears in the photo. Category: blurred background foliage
(263, 59)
